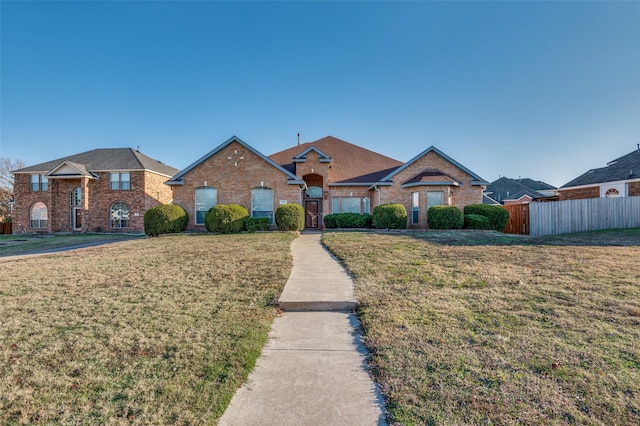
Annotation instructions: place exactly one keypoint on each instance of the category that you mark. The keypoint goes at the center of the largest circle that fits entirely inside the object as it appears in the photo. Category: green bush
(165, 219)
(390, 216)
(498, 216)
(347, 220)
(475, 221)
(253, 224)
(445, 217)
(225, 218)
(290, 217)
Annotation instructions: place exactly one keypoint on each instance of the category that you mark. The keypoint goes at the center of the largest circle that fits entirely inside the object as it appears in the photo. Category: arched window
(314, 192)
(38, 215)
(206, 197)
(262, 202)
(119, 215)
(612, 192)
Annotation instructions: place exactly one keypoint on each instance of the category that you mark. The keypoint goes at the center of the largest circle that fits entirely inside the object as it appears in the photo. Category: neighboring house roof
(178, 179)
(626, 167)
(475, 179)
(105, 159)
(513, 189)
(351, 163)
(488, 200)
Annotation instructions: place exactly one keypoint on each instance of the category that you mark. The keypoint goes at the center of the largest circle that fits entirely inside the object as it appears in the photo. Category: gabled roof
(351, 163)
(431, 177)
(626, 167)
(105, 159)
(512, 189)
(488, 200)
(178, 179)
(70, 169)
(302, 157)
(536, 185)
(475, 179)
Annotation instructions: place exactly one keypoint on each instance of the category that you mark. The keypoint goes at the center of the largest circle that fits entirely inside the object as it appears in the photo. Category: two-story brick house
(325, 176)
(105, 190)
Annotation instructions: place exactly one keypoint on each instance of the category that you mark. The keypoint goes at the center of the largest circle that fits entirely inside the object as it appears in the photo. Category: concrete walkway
(312, 369)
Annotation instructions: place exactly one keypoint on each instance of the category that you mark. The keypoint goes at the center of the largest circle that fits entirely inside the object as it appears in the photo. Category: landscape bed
(152, 331)
(484, 328)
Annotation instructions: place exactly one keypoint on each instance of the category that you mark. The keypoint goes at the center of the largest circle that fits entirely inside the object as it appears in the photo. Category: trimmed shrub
(498, 216)
(445, 217)
(225, 218)
(253, 224)
(290, 217)
(475, 221)
(165, 219)
(347, 220)
(331, 220)
(390, 216)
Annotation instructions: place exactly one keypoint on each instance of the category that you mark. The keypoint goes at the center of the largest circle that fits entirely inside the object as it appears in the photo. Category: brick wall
(458, 196)
(580, 193)
(633, 189)
(147, 189)
(234, 179)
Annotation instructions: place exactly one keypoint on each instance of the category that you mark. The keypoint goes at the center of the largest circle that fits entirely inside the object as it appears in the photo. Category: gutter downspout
(375, 188)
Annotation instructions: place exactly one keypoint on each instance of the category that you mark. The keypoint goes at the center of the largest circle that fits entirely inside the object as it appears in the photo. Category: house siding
(579, 193)
(459, 196)
(234, 179)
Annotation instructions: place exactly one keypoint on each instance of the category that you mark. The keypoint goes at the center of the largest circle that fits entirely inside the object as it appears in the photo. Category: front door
(77, 218)
(311, 213)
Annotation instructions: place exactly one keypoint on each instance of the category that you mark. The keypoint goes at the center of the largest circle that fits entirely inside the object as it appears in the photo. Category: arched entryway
(313, 196)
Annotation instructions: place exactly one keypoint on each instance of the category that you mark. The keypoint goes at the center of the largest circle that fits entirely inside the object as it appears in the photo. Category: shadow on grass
(603, 238)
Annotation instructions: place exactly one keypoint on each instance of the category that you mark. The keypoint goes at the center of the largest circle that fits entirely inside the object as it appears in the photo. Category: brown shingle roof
(432, 176)
(351, 163)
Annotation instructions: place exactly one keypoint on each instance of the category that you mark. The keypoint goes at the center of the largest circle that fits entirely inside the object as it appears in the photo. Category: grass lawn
(479, 328)
(12, 245)
(152, 331)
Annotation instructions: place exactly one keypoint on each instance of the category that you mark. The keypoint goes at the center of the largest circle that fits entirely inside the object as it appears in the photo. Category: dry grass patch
(153, 331)
(500, 334)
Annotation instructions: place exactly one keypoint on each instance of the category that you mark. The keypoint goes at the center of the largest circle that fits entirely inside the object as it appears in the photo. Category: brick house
(620, 178)
(325, 176)
(105, 190)
(509, 192)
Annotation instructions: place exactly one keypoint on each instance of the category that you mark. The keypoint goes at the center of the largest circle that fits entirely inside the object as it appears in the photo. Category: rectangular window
(262, 203)
(39, 183)
(435, 199)
(360, 205)
(120, 181)
(415, 208)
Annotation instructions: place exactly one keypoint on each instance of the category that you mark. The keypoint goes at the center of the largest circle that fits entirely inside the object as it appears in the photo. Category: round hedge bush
(226, 218)
(475, 221)
(290, 217)
(390, 216)
(445, 217)
(165, 219)
(498, 216)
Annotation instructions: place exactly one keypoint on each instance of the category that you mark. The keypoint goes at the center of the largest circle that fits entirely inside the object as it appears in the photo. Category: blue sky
(545, 90)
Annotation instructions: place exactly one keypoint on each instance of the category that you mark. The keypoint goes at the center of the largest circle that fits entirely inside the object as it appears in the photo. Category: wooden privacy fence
(563, 217)
(6, 228)
(518, 219)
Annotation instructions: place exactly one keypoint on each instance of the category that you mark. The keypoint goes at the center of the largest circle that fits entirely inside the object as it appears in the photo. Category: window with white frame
(119, 215)
(206, 197)
(360, 205)
(415, 208)
(435, 198)
(38, 215)
(262, 202)
(39, 183)
(120, 181)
